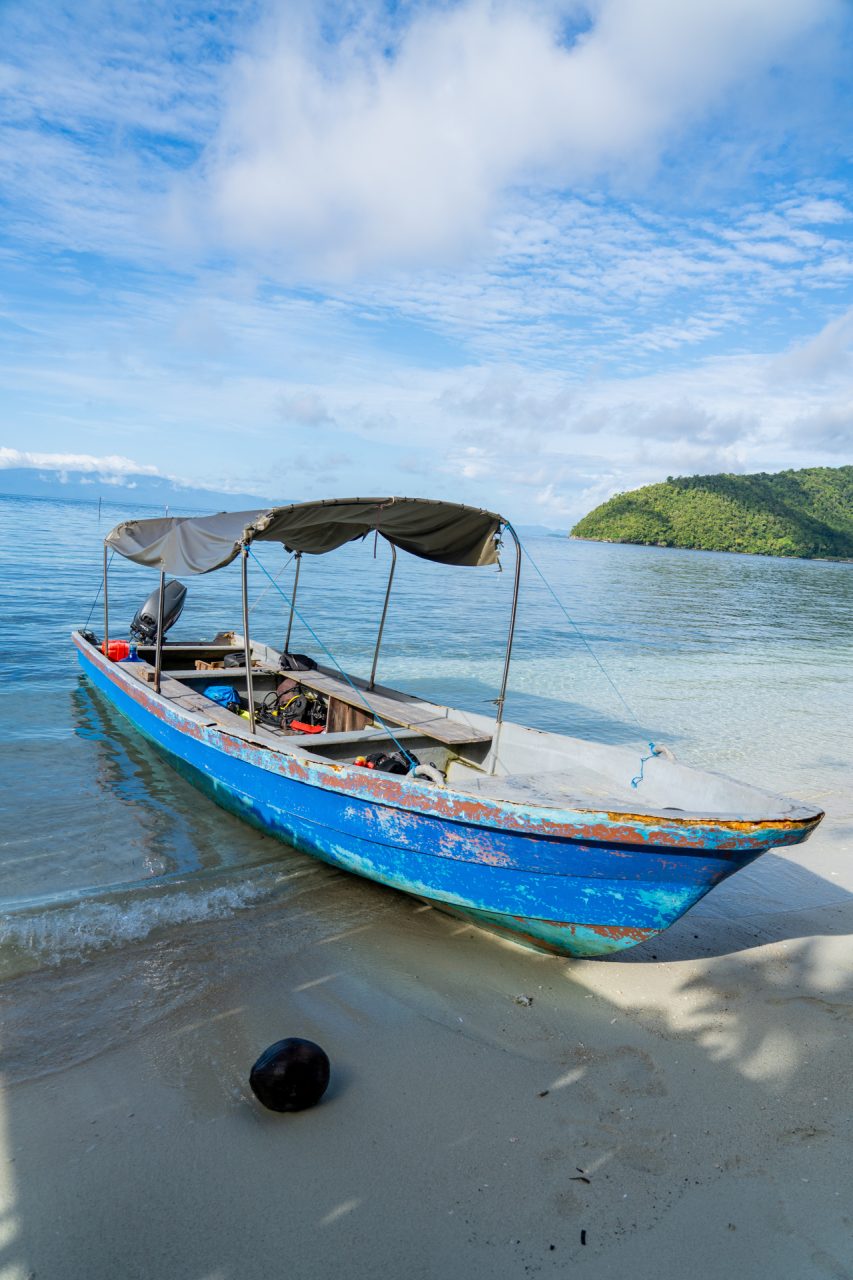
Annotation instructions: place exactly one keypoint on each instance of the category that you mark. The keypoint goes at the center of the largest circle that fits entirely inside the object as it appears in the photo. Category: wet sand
(683, 1110)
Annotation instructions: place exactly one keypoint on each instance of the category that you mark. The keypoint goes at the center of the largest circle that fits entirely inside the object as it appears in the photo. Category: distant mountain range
(130, 491)
(126, 490)
(538, 531)
(806, 513)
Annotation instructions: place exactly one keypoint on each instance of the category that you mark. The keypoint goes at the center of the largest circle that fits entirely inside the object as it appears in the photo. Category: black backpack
(296, 662)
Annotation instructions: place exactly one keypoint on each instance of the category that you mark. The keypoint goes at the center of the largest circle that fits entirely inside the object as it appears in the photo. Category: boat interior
(353, 722)
(346, 729)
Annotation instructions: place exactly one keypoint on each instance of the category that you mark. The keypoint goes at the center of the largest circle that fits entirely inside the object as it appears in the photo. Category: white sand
(695, 1119)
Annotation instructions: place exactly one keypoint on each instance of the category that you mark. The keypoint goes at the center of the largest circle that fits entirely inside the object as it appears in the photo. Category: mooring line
(638, 778)
(98, 592)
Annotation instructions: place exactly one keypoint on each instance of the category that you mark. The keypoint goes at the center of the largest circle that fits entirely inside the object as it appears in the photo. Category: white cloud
(305, 409)
(828, 429)
(501, 395)
(578, 281)
(817, 212)
(383, 147)
(828, 354)
(542, 442)
(608, 434)
(103, 102)
(111, 465)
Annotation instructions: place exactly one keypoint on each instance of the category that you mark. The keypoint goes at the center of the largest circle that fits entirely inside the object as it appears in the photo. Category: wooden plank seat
(191, 700)
(220, 675)
(390, 705)
(169, 686)
(200, 649)
(225, 719)
(394, 707)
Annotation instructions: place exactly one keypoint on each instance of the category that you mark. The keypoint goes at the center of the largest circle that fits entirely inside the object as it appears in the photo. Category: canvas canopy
(442, 531)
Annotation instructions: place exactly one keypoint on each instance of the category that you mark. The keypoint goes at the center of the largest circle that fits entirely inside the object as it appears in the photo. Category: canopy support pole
(293, 602)
(158, 652)
(501, 698)
(106, 607)
(384, 614)
(247, 645)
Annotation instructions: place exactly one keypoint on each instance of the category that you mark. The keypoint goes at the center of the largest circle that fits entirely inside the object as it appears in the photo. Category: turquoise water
(737, 663)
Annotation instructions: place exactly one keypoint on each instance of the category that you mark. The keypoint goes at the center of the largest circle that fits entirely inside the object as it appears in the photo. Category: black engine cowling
(144, 625)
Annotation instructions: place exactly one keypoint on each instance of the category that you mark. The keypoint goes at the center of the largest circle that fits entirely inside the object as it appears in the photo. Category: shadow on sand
(628, 1109)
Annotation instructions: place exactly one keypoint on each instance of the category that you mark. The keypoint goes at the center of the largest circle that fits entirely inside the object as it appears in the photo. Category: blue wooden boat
(548, 839)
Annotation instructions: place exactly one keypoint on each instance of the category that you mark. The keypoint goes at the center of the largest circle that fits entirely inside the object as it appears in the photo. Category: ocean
(740, 664)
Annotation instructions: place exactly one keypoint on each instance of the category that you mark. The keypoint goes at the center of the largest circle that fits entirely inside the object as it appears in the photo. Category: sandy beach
(682, 1110)
(495, 357)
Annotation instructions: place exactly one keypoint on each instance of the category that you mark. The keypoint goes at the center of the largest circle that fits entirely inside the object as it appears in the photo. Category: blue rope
(653, 751)
(98, 592)
(408, 756)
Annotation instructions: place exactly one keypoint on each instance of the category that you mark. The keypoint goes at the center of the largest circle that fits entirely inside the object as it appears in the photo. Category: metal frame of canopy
(502, 526)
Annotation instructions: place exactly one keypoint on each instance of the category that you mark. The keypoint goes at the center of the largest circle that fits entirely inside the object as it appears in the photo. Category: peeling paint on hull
(564, 880)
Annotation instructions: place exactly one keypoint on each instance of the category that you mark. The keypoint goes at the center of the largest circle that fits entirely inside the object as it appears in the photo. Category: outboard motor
(144, 625)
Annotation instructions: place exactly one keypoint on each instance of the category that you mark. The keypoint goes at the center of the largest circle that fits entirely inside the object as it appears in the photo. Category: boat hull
(568, 881)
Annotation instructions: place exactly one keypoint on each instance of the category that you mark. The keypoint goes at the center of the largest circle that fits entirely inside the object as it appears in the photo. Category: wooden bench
(195, 650)
(392, 706)
(214, 714)
(191, 700)
(213, 674)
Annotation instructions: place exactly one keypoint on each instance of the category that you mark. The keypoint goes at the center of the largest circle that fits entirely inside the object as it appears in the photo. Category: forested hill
(790, 513)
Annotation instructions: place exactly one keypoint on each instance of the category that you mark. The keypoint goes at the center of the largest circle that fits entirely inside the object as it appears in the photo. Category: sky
(521, 255)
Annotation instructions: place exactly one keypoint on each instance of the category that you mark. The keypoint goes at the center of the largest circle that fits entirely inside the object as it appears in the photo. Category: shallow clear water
(738, 663)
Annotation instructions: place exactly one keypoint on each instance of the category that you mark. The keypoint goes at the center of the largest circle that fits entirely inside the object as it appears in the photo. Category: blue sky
(519, 255)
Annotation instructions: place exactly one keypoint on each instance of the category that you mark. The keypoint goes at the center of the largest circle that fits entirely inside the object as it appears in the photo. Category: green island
(806, 513)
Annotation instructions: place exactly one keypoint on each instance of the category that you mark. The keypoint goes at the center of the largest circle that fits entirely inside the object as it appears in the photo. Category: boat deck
(390, 705)
(571, 786)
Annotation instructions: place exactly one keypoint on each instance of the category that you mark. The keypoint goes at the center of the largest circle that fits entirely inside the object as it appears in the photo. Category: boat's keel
(553, 936)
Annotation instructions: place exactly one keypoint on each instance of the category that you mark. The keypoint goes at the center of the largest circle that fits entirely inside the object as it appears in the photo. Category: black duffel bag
(296, 662)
